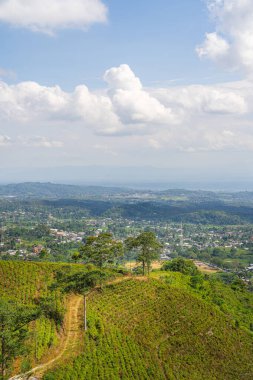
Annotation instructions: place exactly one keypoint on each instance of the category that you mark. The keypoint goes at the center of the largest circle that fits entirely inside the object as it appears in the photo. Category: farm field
(26, 283)
(162, 327)
(151, 330)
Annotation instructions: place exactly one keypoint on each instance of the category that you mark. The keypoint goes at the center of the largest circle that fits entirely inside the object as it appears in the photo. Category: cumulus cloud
(125, 108)
(131, 102)
(186, 118)
(232, 42)
(122, 78)
(94, 111)
(214, 47)
(47, 16)
(200, 99)
(28, 100)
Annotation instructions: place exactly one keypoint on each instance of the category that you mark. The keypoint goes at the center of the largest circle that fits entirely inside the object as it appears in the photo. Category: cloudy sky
(162, 83)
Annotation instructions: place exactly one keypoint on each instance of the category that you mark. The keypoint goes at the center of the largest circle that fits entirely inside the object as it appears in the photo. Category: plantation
(150, 329)
(27, 284)
(170, 326)
(235, 302)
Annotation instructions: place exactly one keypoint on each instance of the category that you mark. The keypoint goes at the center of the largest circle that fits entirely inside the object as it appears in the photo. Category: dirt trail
(68, 344)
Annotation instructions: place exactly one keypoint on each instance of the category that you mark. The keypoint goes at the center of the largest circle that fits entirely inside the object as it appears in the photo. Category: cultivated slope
(70, 342)
(25, 283)
(150, 330)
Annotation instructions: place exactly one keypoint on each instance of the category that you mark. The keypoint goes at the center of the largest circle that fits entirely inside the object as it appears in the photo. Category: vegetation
(148, 249)
(31, 310)
(85, 280)
(154, 328)
(14, 320)
(178, 323)
(148, 329)
(101, 250)
(181, 265)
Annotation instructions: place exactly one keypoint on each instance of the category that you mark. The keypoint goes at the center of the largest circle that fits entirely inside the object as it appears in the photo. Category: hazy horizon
(133, 177)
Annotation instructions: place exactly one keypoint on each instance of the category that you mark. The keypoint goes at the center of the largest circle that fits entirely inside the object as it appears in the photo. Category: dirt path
(68, 346)
(71, 342)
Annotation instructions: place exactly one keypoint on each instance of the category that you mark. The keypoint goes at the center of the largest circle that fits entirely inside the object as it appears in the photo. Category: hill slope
(25, 283)
(150, 330)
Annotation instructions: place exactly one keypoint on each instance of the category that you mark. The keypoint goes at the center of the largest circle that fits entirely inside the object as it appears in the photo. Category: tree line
(104, 250)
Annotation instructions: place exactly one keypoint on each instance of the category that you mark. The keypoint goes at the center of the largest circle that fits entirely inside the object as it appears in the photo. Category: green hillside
(233, 300)
(26, 283)
(152, 330)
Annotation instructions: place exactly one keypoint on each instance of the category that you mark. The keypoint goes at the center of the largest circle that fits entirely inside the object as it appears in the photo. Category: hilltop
(138, 327)
(150, 330)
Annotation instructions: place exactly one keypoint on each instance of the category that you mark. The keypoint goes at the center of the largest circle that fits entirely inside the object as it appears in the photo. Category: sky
(127, 84)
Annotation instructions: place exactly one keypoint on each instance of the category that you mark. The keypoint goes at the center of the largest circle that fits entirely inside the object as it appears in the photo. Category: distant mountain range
(62, 191)
(142, 177)
(176, 205)
(52, 190)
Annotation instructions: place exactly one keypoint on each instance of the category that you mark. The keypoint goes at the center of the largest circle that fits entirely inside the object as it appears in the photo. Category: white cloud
(154, 143)
(214, 47)
(186, 118)
(203, 136)
(122, 78)
(125, 108)
(47, 16)
(40, 142)
(4, 140)
(205, 99)
(94, 111)
(131, 102)
(28, 100)
(105, 149)
(232, 42)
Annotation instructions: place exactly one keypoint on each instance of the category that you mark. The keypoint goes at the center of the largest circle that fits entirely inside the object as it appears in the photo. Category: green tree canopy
(181, 265)
(148, 248)
(101, 250)
(82, 282)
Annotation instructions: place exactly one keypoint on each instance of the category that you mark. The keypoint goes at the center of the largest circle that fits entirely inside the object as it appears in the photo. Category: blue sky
(157, 40)
(127, 83)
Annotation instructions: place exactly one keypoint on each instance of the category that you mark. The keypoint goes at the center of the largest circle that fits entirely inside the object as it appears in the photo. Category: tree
(52, 309)
(83, 283)
(102, 249)
(197, 281)
(43, 253)
(181, 265)
(14, 320)
(148, 248)
(75, 256)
